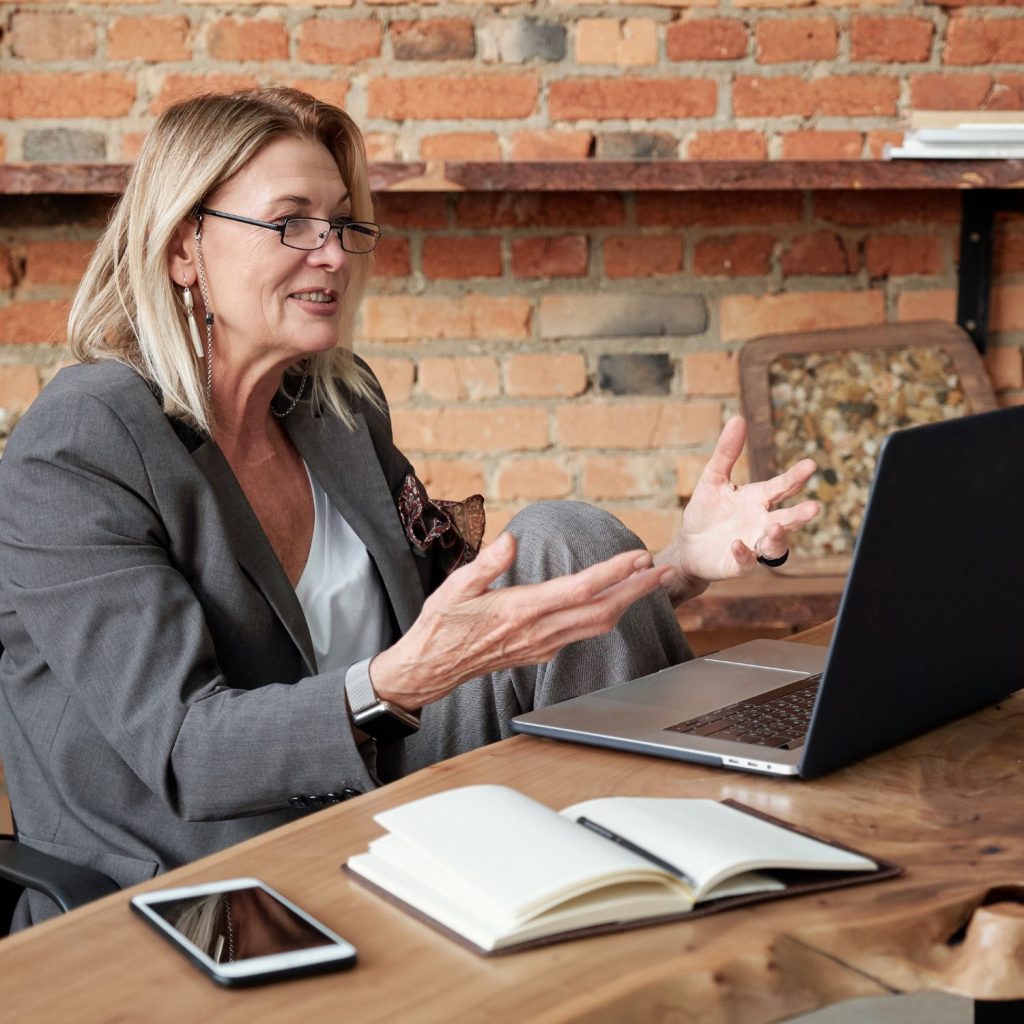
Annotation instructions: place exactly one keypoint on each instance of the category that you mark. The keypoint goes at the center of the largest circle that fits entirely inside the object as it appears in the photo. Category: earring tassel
(193, 327)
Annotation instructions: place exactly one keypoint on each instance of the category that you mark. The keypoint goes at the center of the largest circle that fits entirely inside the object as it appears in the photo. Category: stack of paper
(962, 135)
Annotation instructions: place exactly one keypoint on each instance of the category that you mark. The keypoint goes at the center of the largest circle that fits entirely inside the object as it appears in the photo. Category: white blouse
(340, 591)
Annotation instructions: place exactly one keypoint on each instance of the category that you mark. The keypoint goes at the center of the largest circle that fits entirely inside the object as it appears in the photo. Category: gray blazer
(159, 695)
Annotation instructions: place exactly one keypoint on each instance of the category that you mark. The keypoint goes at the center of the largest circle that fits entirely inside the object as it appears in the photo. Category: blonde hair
(126, 307)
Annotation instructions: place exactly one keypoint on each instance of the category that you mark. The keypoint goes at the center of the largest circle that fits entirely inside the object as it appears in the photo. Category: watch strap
(358, 688)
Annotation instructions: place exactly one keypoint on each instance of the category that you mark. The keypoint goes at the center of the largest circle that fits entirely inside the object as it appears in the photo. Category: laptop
(930, 627)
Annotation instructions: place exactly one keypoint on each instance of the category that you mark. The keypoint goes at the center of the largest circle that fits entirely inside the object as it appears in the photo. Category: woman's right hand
(467, 630)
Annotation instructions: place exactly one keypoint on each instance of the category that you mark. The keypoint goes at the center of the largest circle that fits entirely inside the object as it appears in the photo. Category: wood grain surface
(946, 806)
(591, 175)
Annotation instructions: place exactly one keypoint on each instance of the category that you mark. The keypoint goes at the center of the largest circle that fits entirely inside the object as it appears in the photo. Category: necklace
(298, 395)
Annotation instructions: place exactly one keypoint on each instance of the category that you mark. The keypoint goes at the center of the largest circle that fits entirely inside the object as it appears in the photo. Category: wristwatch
(378, 718)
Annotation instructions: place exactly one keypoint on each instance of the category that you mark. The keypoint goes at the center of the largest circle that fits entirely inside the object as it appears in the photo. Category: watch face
(385, 723)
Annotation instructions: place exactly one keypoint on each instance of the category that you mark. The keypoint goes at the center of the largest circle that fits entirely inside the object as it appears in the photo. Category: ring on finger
(772, 563)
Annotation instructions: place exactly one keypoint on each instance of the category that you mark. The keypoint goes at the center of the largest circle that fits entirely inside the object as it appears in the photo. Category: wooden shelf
(591, 176)
(764, 601)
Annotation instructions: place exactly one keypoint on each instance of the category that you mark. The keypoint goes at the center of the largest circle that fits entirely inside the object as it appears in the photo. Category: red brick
(491, 210)
(380, 146)
(733, 256)
(654, 526)
(949, 91)
(149, 38)
(717, 209)
(637, 424)
(935, 304)
(974, 41)
(608, 41)
(543, 376)
(1005, 367)
(7, 276)
(37, 35)
(1007, 309)
(887, 208)
(561, 256)
(461, 146)
(533, 480)
(176, 88)
(974, 3)
(551, 144)
(894, 255)
(482, 96)
(891, 40)
(131, 145)
(396, 377)
(748, 316)
(878, 140)
(391, 257)
(56, 262)
(19, 386)
(755, 96)
(330, 90)
(839, 95)
(795, 39)
(621, 476)
(248, 39)
(615, 98)
(460, 429)
(433, 39)
(727, 145)
(822, 145)
(41, 322)
(457, 257)
(642, 255)
(447, 379)
(498, 517)
(856, 95)
(706, 39)
(412, 210)
(66, 94)
(1008, 245)
(453, 479)
(711, 373)
(408, 318)
(822, 252)
(1007, 93)
(339, 41)
(769, 4)
(688, 471)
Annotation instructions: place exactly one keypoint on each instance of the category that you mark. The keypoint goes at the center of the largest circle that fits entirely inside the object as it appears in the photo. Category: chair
(68, 885)
(21, 867)
(835, 395)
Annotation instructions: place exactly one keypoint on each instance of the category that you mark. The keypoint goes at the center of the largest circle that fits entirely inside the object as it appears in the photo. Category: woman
(223, 597)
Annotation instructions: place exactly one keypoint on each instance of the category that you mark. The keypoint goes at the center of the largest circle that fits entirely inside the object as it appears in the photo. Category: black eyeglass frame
(337, 227)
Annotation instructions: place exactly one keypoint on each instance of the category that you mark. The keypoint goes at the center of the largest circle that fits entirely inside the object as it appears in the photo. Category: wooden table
(946, 806)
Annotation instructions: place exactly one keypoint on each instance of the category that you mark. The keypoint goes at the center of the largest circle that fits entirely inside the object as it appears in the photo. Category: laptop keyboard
(778, 718)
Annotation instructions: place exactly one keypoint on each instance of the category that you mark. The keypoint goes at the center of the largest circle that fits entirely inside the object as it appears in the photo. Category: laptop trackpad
(696, 687)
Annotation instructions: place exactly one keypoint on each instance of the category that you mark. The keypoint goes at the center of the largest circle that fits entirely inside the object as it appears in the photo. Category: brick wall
(548, 345)
(581, 345)
(542, 79)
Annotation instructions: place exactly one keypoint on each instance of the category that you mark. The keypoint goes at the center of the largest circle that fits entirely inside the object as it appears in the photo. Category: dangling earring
(208, 319)
(190, 316)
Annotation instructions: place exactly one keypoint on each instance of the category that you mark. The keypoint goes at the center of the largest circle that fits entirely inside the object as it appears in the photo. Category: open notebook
(500, 871)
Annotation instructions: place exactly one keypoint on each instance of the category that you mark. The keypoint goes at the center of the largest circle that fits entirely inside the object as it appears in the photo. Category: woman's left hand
(725, 527)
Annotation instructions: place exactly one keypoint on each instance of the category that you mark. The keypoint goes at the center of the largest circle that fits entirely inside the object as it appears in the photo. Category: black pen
(638, 850)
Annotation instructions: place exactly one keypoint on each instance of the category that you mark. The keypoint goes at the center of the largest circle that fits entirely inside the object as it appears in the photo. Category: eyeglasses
(356, 236)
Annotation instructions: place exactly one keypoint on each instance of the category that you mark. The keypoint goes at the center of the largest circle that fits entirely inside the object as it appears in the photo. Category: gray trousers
(554, 538)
